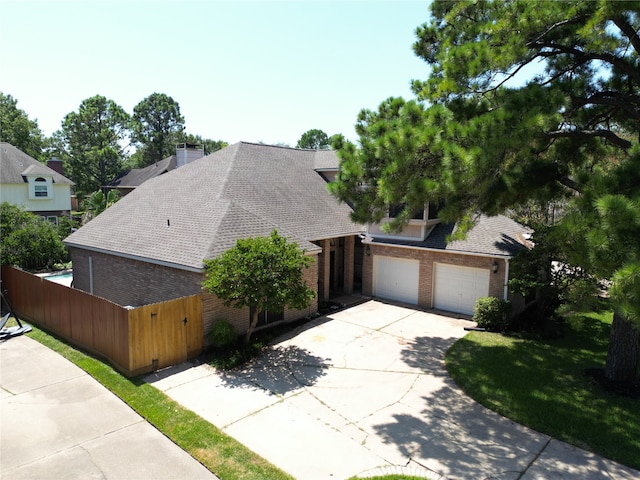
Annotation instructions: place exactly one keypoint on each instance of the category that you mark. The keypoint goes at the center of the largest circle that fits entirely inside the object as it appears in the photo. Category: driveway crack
(533, 460)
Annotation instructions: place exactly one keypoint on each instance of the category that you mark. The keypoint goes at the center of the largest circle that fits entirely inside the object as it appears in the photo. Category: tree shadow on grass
(279, 369)
(542, 384)
(458, 438)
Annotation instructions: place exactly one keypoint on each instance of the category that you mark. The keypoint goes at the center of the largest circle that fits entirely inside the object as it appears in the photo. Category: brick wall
(131, 282)
(213, 308)
(427, 258)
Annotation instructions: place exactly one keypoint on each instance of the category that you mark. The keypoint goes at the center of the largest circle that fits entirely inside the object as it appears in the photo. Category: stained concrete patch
(373, 314)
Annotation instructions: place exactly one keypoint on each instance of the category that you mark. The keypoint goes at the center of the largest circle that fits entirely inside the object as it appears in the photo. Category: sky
(255, 71)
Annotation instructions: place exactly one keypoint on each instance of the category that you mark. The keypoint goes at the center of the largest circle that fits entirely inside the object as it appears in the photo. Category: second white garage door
(456, 289)
(396, 278)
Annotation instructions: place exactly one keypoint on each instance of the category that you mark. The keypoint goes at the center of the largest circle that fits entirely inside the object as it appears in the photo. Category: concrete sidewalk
(57, 422)
(365, 391)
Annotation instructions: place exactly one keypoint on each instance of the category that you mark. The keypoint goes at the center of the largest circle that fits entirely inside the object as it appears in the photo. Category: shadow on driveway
(279, 369)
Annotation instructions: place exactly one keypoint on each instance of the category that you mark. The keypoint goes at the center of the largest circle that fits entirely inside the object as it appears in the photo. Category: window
(266, 318)
(53, 219)
(40, 188)
(434, 210)
(396, 210)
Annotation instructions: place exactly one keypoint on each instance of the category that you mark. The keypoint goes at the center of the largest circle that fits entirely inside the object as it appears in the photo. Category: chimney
(187, 153)
(55, 164)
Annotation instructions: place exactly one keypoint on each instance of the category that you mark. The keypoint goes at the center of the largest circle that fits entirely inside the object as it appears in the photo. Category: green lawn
(221, 454)
(542, 384)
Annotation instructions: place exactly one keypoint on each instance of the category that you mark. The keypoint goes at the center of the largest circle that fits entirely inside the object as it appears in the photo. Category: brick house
(150, 245)
(40, 189)
(420, 267)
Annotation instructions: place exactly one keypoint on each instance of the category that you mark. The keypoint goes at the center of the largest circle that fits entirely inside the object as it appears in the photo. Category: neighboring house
(38, 188)
(418, 266)
(133, 178)
(150, 245)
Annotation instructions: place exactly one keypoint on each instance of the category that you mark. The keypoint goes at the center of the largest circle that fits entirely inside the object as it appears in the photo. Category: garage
(456, 288)
(396, 278)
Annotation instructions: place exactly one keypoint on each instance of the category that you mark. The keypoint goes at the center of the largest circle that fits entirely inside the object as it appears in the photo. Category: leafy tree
(485, 137)
(92, 141)
(210, 145)
(157, 127)
(262, 273)
(98, 202)
(27, 240)
(314, 139)
(17, 129)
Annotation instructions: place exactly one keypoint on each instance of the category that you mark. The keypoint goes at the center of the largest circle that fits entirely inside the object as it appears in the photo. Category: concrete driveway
(364, 391)
(57, 422)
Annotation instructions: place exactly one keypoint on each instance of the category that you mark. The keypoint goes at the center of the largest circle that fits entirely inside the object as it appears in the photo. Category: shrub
(222, 335)
(492, 313)
(27, 241)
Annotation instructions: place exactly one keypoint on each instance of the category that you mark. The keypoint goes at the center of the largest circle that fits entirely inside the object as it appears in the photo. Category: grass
(542, 384)
(221, 454)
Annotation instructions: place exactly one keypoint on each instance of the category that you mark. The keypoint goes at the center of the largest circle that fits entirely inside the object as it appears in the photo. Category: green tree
(483, 136)
(314, 139)
(92, 143)
(28, 241)
(262, 273)
(210, 145)
(17, 129)
(98, 202)
(157, 128)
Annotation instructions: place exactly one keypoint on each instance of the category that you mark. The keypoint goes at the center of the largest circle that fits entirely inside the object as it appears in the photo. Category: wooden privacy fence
(134, 341)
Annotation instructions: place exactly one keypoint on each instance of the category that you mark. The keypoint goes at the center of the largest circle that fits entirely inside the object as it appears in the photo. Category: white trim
(136, 257)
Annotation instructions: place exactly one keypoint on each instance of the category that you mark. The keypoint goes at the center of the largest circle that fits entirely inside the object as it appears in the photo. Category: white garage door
(456, 289)
(396, 278)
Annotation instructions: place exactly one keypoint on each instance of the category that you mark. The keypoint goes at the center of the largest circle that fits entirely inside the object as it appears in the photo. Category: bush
(28, 241)
(222, 335)
(492, 313)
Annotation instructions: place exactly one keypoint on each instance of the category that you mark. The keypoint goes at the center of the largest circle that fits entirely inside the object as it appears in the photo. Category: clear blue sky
(241, 70)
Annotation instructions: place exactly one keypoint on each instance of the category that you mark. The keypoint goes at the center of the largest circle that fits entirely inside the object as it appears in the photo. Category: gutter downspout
(506, 279)
(91, 275)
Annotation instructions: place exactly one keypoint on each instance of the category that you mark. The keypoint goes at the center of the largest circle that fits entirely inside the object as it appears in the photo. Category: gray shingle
(495, 236)
(137, 176)
(199, 210)
(14, 163)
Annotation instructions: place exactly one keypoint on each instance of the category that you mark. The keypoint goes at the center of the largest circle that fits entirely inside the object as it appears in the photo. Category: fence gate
(166, 333)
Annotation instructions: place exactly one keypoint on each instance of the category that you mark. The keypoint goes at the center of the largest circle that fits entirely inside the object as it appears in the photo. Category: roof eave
(154, 261)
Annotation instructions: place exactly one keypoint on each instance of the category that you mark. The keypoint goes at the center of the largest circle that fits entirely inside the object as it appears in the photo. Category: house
(150, 245)
(133, 178)
(38, 188)
(420, 266)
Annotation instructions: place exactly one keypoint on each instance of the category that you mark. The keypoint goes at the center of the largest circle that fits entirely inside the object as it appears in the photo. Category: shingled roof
(199, 210)
(14, 163)
(497, 236)
(137, 176)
